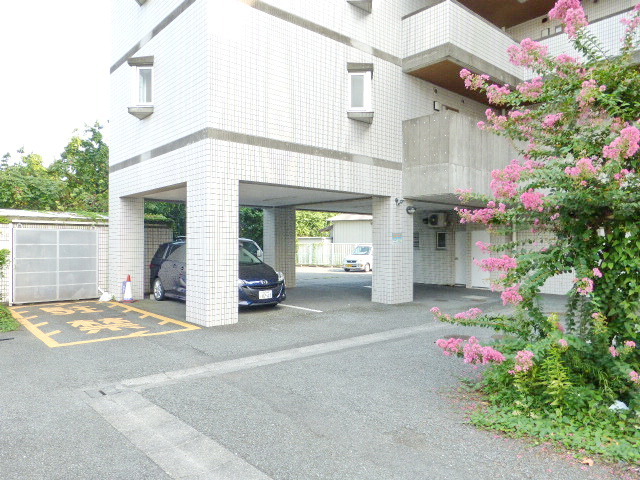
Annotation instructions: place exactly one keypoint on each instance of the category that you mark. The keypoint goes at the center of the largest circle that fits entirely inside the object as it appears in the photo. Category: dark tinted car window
(246, 257)
(179, 254)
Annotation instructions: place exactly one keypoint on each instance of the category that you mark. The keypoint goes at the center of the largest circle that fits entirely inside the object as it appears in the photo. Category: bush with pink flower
(569, 205)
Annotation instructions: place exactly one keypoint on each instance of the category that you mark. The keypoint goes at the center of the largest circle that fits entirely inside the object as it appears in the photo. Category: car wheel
(367, 268)
(158, 290)
(346, 269)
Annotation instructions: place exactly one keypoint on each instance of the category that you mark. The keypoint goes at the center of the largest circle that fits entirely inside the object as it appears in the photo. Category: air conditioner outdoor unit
(435, 219)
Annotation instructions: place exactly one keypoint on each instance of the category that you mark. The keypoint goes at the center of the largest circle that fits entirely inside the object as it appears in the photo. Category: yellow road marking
(188, 326)
(19, 313)
(33, 329)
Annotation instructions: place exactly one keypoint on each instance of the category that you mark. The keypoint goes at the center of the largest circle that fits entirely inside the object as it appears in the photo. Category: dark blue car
(258, 283)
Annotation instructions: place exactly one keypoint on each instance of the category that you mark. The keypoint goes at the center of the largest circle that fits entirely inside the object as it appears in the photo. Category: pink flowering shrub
(511, 295)
(524, 362)
(531, 90)
(528, 53)
(569, 206)
(472, 351)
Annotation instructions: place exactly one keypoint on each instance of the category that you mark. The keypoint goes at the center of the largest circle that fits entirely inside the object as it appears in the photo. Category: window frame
(440, 235)
(138, 80)
(366, 93)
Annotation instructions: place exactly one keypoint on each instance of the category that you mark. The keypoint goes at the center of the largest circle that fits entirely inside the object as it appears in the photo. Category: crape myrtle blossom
(563, 343)
(597, 273)
(473, 81)
(630, 344)
(496, 94)
(472, 351)
(485, 247)
(481, 215)
(551, 119)
(528, 53)
(476, 354)
(588, 93)
(450, 346)
(504, 183)
(584, 168)
(492, 264)
(470, 314)
(625, 146)
(635, 377)
(584, 285)
(532, 200)
(494, 121)
(511, 295)
(614, 351)
(531, 90)
(571, 13)
(524, 362)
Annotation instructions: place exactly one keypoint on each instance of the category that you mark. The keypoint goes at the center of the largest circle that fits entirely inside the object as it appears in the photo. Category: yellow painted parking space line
(74, 321)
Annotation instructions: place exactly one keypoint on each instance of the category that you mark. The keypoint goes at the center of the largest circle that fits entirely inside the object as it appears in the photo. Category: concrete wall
(447, 151)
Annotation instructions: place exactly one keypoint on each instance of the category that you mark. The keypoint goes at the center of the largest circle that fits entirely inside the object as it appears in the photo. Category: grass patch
(7, 322)
(612, 436)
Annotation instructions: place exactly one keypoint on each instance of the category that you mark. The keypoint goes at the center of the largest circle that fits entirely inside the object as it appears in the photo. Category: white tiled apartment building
(350, 106)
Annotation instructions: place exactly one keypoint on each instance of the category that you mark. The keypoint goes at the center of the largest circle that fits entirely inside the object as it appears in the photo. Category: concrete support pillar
(392, 252)
(279, 241)
(126, 245)
(212, 251)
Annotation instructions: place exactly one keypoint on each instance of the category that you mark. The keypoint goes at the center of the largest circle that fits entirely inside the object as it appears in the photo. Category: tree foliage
(84, 168)
(310, 224)
(78, 181)
(251, 224)
(27, 184)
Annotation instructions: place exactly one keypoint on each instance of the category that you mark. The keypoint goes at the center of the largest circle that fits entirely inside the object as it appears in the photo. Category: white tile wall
(449, 22)
(393, 249)
(279, 241)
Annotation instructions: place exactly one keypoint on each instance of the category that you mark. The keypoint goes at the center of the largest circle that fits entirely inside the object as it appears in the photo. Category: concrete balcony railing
(441, 40)
(444, 152)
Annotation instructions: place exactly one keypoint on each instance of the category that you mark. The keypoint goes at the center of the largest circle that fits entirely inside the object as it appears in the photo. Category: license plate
(265, 294)
(351, 266)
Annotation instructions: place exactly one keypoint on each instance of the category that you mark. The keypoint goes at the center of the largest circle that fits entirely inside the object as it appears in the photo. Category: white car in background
(360, 259)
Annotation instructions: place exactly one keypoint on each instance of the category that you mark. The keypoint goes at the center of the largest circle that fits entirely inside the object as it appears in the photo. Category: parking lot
(337, 388)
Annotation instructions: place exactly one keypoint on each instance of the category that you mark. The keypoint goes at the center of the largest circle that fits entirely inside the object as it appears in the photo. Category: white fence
(328, 254)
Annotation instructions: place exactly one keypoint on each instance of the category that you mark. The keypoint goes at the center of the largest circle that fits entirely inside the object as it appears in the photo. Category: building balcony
(441, 40)
(445, 152)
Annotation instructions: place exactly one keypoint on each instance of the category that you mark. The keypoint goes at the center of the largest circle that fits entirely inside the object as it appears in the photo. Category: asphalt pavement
(330, 386)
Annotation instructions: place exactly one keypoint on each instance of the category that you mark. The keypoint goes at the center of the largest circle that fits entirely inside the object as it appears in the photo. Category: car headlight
(241, 283)
(280, 276)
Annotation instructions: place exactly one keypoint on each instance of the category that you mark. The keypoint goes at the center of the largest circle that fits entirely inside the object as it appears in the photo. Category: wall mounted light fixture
(399, 201)
(411, 209)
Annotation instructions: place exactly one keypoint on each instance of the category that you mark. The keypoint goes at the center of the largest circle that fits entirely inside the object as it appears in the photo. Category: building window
(360, 92)
(416, 239)
(145, 85)
(142, 88)
(360, 80)
(441, 240)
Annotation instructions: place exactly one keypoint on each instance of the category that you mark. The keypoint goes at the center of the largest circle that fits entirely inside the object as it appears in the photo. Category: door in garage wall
(54, 264)
(479, 278)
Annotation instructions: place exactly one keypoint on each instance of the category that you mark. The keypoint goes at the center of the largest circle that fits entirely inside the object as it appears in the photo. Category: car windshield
(362, 250)
(246, 257)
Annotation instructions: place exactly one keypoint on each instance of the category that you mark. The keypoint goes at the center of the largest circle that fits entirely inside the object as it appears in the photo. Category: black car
(258, 283)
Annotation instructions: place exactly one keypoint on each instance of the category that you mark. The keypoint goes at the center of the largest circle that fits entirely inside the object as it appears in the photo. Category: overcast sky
(54, 58)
